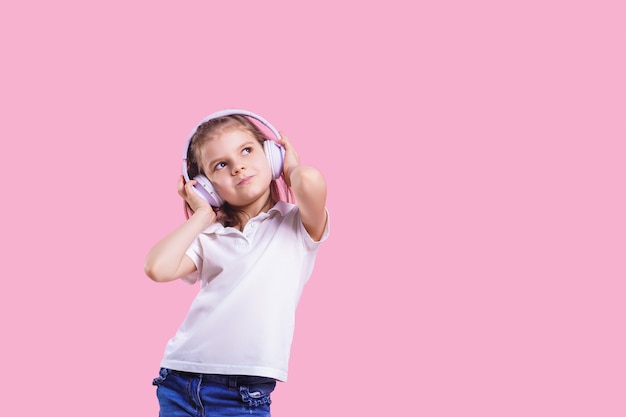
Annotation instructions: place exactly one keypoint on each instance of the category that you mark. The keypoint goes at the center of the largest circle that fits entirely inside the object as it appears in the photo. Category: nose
(238, 167)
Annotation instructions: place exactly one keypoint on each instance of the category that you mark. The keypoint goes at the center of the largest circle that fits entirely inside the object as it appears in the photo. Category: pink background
(474, 153)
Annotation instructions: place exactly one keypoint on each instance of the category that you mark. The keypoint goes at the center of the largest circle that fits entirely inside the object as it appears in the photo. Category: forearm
(164, 261)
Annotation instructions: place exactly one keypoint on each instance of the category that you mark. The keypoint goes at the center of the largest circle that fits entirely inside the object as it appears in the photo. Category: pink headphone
(273, 151)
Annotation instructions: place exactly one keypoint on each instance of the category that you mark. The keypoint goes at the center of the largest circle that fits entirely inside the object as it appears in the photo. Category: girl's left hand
(291, 160)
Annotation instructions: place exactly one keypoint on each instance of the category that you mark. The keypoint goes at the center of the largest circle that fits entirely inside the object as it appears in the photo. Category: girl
(252, 256)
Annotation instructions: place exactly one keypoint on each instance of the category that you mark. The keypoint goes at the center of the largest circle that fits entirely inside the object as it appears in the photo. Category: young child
(252, 249)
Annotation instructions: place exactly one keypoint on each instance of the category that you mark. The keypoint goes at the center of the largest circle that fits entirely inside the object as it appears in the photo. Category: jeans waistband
(231, 381)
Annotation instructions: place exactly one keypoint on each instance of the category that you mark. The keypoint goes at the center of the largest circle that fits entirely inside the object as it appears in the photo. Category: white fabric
(242, 320)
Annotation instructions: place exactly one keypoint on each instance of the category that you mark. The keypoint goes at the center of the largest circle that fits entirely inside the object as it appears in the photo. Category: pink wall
(475, 159)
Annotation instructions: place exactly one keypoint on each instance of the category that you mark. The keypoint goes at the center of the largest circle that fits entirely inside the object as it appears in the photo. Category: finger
(189, 186)
(284, 140)
(185, 189)
(181, 185)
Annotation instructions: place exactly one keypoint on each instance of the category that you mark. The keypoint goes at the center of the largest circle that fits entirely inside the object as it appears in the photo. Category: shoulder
(290, 214)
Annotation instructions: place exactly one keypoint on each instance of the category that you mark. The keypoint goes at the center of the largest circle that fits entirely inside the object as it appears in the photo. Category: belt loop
(232, 382)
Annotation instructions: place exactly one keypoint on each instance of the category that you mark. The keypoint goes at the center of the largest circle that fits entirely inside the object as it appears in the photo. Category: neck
(246, 213)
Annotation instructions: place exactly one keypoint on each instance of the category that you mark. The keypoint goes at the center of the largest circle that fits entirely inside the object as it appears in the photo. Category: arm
(166, 261)
(309, 187)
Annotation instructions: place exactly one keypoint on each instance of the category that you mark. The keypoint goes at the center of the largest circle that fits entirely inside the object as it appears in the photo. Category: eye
(219, 166)
(246, 150)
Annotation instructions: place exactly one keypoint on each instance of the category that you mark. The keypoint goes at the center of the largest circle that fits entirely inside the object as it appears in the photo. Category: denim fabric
(184, 394)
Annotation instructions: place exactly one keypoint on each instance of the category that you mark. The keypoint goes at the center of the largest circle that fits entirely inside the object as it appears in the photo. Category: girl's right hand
(193, 200)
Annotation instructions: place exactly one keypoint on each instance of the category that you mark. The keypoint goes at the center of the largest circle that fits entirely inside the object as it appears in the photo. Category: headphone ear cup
(275, 156)
(205, 189)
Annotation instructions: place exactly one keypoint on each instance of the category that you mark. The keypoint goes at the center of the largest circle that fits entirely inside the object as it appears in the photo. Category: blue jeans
(185, 394)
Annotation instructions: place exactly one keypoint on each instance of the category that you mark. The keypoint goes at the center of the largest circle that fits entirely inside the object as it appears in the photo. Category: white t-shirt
(242, 320)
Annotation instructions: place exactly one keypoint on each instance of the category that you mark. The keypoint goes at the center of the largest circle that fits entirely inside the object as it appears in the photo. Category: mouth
(245, 180)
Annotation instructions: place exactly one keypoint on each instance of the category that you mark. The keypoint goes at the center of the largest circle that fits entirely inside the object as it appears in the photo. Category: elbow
(154, 274)
(309, 178)
(150, 273)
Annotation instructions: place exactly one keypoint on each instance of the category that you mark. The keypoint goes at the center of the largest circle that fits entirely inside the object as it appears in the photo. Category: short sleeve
(308, 240)
(194, 252)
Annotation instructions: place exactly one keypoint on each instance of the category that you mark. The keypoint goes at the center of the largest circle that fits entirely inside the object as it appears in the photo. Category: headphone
(273, 151)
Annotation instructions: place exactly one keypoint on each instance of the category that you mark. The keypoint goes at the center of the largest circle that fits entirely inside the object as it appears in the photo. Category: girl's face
(236, 164)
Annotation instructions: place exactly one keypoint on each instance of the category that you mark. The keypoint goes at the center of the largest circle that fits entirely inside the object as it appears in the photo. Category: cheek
(263, 163)
(217, 179)
(265, 172)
